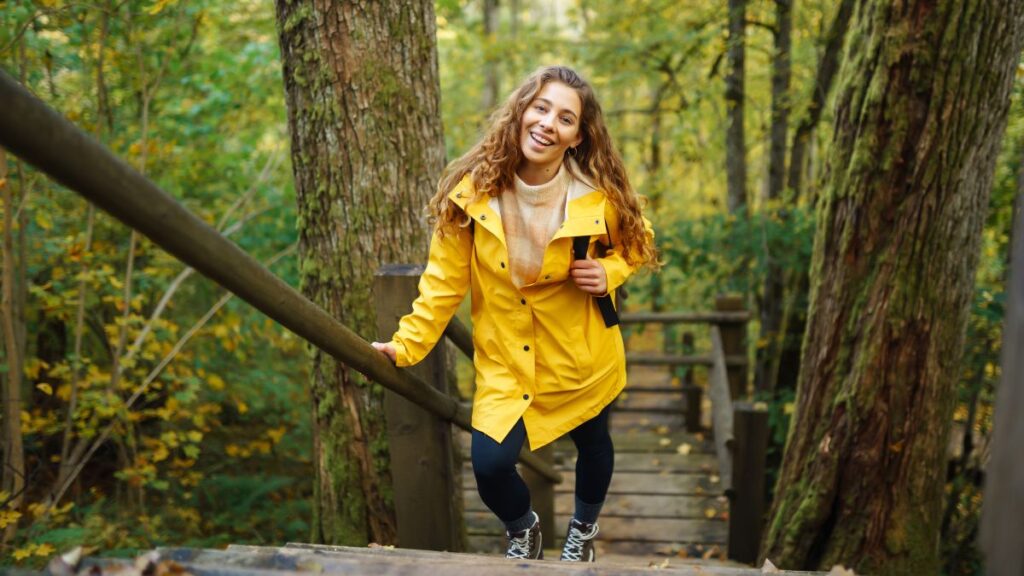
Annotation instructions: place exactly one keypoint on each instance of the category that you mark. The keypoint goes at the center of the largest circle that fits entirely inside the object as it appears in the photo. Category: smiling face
(550, 125)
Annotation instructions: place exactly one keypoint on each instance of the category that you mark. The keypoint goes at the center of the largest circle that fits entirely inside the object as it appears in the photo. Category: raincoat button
(459, 195)
(526, 348)
(547, 277)
(483, 216)
(522, 301)
(526, 396)
(502, 264)
(597, 221)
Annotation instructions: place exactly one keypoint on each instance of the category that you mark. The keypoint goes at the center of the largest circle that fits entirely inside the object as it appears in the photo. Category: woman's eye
(566, 120)
(540, 108)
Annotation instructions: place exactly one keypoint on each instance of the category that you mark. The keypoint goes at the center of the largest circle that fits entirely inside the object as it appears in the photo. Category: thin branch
(153, 374)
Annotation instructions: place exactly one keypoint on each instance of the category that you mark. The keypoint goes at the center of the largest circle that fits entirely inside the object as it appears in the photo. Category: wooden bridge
(672, 477)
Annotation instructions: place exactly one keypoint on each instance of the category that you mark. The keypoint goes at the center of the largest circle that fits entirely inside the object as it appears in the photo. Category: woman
(506, 215)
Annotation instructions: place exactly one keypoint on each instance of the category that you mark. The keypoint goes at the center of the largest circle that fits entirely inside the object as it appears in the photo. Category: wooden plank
(667, 462)
(420, 444)
(639, 483)
(617, 528)
(635, 506)
(626, 420)
(647, 400)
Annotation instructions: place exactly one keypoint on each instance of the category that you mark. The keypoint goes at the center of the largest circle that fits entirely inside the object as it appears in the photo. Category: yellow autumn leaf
(275, 434)
(242, 406)
(161, 453)
(664, 441)
(45, 550)
(22, 553)
(195, 436)
(220, 330)
(45, 388)
(216, 382)
(709, 513)
(684, 449)
(232, 450)
(8, 517)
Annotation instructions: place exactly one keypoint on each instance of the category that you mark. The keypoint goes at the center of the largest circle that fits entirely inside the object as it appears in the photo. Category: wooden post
(734, 339)
(692, 394)
(1002, 520)
(423, 458)
(542, 496)
(746, 504)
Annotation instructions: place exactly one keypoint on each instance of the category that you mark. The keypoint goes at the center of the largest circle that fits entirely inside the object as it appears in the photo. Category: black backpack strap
(604, 303)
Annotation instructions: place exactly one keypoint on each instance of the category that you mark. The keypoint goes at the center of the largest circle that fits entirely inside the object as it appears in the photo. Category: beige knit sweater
(530, 216)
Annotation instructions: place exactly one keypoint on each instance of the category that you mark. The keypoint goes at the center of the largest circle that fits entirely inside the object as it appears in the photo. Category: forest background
(166, 413)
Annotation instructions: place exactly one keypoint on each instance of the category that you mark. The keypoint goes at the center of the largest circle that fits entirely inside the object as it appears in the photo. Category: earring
(572, 151)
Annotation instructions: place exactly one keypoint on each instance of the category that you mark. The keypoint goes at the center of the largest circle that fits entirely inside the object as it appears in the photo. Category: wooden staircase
(665, 499)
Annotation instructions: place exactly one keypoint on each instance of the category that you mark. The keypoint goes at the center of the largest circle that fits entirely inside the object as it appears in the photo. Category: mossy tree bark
(367, 149)
(920, 112)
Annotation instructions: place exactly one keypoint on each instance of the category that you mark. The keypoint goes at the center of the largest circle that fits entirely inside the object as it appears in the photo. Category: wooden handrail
(684, 317)
(457, 332)
(721, 409)
(41, 136)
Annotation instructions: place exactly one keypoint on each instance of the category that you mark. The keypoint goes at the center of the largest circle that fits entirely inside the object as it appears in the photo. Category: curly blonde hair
(493, 161)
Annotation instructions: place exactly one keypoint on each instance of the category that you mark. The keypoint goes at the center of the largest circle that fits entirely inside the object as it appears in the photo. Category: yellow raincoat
(543, 352)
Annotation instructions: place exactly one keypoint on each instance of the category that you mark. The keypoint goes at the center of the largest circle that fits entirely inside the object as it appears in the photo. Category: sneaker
(579, 545)
(526, 545)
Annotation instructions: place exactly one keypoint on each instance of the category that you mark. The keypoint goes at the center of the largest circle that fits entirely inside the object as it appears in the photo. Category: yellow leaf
(275, 434)
(242, 407)
(161, 453)
(8, 517)
(195, 436)
(45, 388)
(22, 553)
(709, 513)
(664, 441)
(683, 449)
(216, 382)
(220, 330)
(45, 550)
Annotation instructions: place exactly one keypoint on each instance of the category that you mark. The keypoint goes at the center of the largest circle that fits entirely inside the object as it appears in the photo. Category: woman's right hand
(385, 349)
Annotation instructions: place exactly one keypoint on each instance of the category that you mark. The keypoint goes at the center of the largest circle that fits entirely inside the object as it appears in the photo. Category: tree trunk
(492, 88)
(14, 453)
(922, 106)
(735, 146)
(771, 296)
(363, 111)
(786, 364)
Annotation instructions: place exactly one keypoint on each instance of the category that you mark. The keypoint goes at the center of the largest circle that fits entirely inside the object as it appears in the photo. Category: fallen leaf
(710, 513)
(840, 570)
(769, 568)
(663, 430)
(664, 442)
(683, 449)
(659, 565)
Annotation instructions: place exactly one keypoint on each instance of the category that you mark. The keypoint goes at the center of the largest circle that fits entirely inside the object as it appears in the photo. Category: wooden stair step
(637, 483)
(634, 506)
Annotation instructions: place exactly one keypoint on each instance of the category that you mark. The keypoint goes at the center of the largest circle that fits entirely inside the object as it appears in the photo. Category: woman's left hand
(589, 276)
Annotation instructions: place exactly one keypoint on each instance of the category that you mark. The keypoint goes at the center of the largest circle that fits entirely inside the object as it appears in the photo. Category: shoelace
(574, 545)
(519, 547)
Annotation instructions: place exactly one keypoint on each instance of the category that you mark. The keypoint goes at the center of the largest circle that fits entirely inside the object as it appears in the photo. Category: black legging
(503, 490)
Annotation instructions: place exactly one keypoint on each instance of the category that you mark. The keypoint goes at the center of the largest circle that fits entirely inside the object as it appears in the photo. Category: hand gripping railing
(42, 137)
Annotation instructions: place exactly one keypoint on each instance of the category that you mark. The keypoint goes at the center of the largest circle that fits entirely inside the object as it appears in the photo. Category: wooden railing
(739, 428)
(41, 136)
